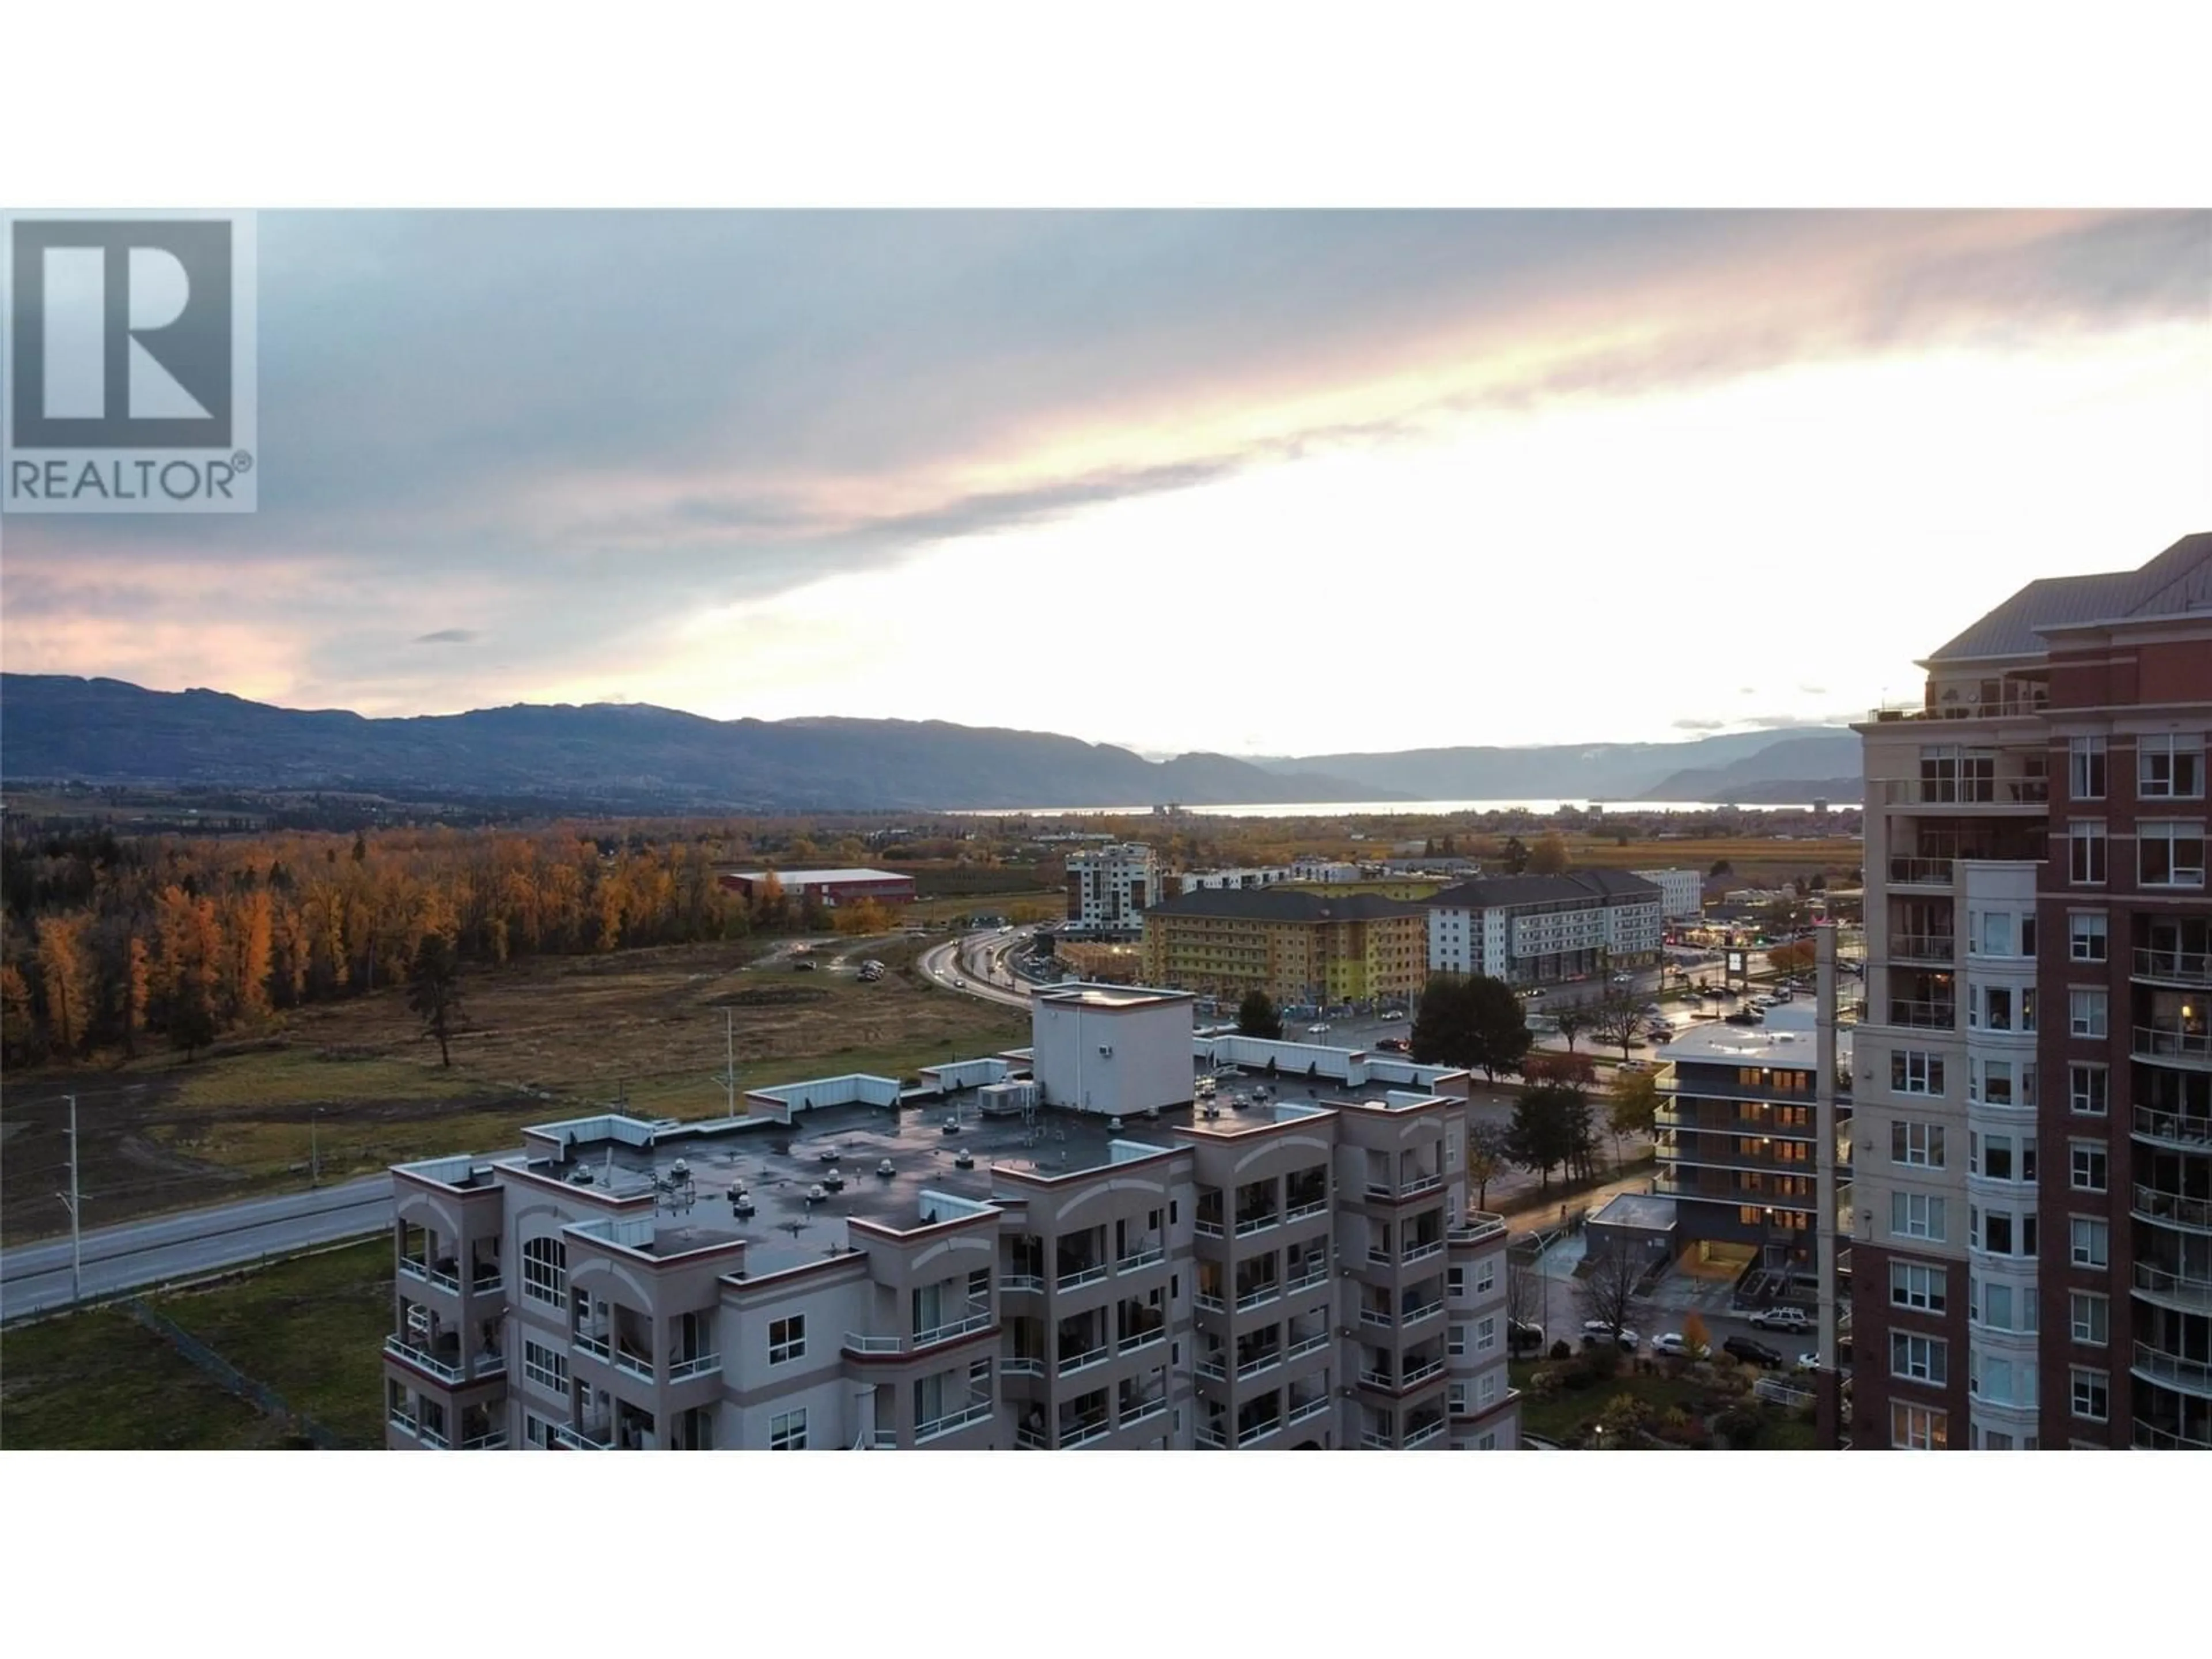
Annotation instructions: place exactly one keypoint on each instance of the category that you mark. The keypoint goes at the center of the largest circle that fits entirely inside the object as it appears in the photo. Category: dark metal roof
(1487, 892)
(2178, 580)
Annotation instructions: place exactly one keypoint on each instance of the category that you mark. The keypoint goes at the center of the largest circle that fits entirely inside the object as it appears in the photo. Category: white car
(1675, 1343)
(1781, 1319)
(1394, 1014)
(1596, 1330)
(1316, 1031)
(1624, 979)
(959, 984)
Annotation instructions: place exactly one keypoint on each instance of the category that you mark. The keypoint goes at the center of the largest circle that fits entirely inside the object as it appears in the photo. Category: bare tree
(1571, 1023)
(1617, 1020)
(1613, 1287)
(1524, 1294)
(1487, 1159)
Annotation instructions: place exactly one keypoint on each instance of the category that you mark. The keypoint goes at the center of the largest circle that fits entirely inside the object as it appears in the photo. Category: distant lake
(1345, 808)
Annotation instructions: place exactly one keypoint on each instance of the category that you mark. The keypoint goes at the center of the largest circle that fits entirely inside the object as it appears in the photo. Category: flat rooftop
(1642, 1210)
(816, 878)
(1717, 1043)
(780, 1167)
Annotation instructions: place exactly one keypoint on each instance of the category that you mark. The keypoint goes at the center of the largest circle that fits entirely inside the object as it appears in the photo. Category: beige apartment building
(986, 1264)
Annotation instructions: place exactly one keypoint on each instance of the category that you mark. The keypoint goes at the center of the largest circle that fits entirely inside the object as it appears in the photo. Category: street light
(315, 1148)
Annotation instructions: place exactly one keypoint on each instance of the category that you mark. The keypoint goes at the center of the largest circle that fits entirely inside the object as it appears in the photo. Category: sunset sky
(1261, 482)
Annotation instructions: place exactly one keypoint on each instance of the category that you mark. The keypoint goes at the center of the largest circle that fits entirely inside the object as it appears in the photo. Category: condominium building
(1109, 887)
(1537, 930)
(1299, 947)
(1736, 1141)
(1196, 881)
(2033, 1077)
(974, 1266)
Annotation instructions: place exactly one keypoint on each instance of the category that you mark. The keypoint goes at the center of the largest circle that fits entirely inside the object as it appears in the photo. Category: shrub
(1563, 1349)
(1604, 1360)
(1544, 1383)
(1739, 1426)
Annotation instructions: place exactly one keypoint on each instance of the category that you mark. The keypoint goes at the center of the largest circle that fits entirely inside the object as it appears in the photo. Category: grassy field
(1743, 852)
(357, 1081)
(1568, 1415)
(312, 1328)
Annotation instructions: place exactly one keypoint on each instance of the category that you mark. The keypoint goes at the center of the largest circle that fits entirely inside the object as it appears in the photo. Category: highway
(971, 964)
(175, 1247)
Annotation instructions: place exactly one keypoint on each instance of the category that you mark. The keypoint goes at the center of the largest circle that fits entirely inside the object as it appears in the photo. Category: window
(1989, 1082)
(786, 1431)
(1918, 1428)
(1992, 1302)
(2170, 854)
(537, 1431)
(1913, 1286)
(543, 1366)
(2091, 1317)
(1918, 1359)
(1992, 1009)
(1917, 1215)
(545, 1271)
(2087, 1089)
(2085, 1011)
(1920, 1144)
(1455, 1283)
(786, 1340)
(2085, 852)
(1485, 1390)
(1486, 1334)
(1455, 1340)
(1914, 1072)
(1485, 1275)
(2170, 768)
(2085, 769)
(1994, 939)
(2090, 1242)
(2087, 1166)
(2092, 1396)
(2085, 936)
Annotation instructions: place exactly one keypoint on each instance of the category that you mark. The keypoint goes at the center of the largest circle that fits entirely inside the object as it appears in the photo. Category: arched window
(545, 1271)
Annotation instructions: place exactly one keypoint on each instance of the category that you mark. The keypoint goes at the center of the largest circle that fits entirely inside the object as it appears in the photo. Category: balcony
(1208, 1435)
(1133, 1415)
(1247, 1225)
(1920, 873)
(1022, 1365)
(1412, 1187)
(1251, 1434)
(1381, 1317)
(633, 1365)
(1372, 1442)
(2149, 1438)
(1923, 1016)
(2174, 1290)
(1213, 1370)
(1969, 795)
(591, 1343)
(2172, 1209)
(1259, 1295)
(856, 1343)
(588, 1437)
(1306, 1344)
(1420, 1251)
(1311, 1206)
(952, 1423)
(2186, 1375)
(490, 1440)
(421, 1359)
(1082, 1433)
(1427, 1435)
(1206, 1229)
(1479, 1225)
(956, 1327)
(1420, 1311)
(2188, 1133)
(404, 1421)
(1084, 1361)
(1302, 1411)
(2174, 967)
(1939, 949)
(1315, 1274)
(1076, 1278)
(1249, 1369)
(2167, 1044)
(1011, 1283)
(1136, 1260)
(1421, 1372)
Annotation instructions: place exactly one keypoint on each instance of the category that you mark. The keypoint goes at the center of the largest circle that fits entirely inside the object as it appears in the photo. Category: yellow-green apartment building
(1299, 946)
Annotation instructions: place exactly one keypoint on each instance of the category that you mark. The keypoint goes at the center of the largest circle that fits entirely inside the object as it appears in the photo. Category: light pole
(76, 1250)
(315, 1148)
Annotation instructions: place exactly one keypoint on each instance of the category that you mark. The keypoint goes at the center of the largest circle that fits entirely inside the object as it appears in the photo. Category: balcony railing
(1022, 1365)
(2174, 1287)
(490, 1440)
(1210, 1303)
(2164, 1043)
(1377, 1317)
(1144, 1258)
(2152, 1205)
(1267, 1362)
(1017, 1282)
(443, 1279)
(1258, 1296)
(1076, 1277)
(1301, 1412)
(1206, 1229)
(1924, 947)
(2174, 967)
(1370, 1441)
(430, 1436)
(1252, 1434)
(947, 1332)
(585, 1342)
(2173, 1126)
(1088, 1358)
(491, 1285)
(1420, 1252)
(1215, 1369)
(1036, 1439)
(637, 1365)
(589, 1436)
(2149, 1438)
(400, 1348)
(953, 1422)
(1415, 1315)
(1478, 1225)
(702, 1365)
(1208, 1435)
(410, 1268)
(1247, 1225)
(1966, 792)
(1145, 1339)
(404, 1421)
(1133, 1415)
(490, 1363)
(1306, 1344)
(1928, 1016)
(2193, 1376)
(1920, 873)
(1299, 1212)
(1305, 1276)
(1410, 1189)
(1078, 1434)
(1422, 1437)
(1421, 1373)
(857, 1343)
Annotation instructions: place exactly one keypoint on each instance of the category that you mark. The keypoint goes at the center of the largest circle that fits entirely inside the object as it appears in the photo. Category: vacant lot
(311, 1328)
(358, 1084)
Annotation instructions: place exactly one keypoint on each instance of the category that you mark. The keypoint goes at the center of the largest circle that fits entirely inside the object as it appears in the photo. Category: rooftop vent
(886, 1169)
(963, 1160)
(583, 1175)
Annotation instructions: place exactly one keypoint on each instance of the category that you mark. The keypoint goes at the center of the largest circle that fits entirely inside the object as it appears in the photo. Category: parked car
(1316, 1031)
(1596, 1330)
(1677, 1345)
(1633, 1065)
(1752, 1351)
(1808, 1362)
(1742, 1017)
(1782, 1319)
(804, 965)
(1522, 1337)
(1395, 1045)
(1394, 1014)
(1533, 992)
(1624, 979)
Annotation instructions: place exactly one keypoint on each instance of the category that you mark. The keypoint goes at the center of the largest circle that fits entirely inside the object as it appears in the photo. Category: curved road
(170, 1248)
(970, 965)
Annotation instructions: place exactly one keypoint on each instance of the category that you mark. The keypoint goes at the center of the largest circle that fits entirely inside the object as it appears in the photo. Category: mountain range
(635, 757)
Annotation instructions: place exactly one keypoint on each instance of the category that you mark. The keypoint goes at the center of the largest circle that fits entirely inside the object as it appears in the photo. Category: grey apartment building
(849, 1266)
(2032, 1248)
